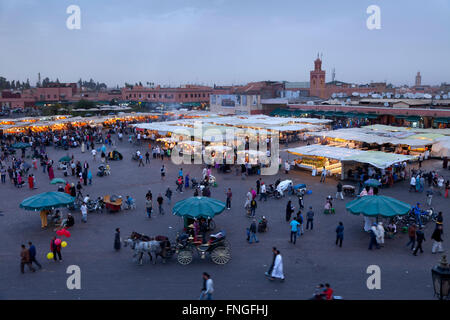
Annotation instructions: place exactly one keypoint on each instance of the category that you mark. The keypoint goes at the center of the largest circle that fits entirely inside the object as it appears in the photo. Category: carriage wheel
(220, 255)
(212, 225)
(185, 257)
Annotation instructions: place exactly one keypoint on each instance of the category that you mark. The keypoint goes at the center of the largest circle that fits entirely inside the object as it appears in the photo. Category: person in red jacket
(328, 292)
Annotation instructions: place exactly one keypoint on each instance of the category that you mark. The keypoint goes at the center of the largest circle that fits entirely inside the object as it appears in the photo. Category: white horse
(140, 247)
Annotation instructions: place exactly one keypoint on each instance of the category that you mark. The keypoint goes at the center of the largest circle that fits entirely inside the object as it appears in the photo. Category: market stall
(337, 160)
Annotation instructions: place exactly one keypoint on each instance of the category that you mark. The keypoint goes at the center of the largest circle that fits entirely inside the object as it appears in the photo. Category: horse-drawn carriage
(185, 247)
(217, 247)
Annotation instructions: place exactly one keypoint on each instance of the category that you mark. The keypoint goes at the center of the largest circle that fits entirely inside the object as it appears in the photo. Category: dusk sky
(224, 41)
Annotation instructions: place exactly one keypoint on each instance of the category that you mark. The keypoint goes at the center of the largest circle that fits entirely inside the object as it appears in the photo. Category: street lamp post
(441, 279)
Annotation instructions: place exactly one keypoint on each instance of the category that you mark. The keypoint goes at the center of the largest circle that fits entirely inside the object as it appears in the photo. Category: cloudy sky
(224, 41)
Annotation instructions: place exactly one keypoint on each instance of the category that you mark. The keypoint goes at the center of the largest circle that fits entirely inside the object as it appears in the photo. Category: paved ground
(107, 274)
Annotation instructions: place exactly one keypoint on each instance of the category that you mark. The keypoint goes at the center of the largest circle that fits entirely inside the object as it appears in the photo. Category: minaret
(317, 79)
(333, 75)
(418, 79)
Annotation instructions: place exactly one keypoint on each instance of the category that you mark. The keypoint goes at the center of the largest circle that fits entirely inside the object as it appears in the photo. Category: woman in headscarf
(117, 240)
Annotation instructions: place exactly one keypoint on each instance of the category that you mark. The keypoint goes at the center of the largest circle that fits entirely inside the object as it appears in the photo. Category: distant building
(188, 94)
(418, 79)
(247, 99)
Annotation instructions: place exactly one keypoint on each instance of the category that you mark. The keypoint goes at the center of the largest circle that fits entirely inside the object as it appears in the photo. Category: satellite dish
(445, 96)
(333, 95)
(437, 97)
(388, 95)
(355, 94)
(427, 96)
(397, 96)
(386, 104)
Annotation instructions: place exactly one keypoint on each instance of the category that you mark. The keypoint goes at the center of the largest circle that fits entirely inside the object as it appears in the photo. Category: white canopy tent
(377, 159)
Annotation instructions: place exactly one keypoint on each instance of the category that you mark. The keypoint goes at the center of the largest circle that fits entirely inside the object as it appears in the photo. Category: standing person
(420, 237)
(147, 157)
(289, 210)
(43, 216)
(253, 206)
(269, 272)
(380, 234)
(32, 252)
(117, 243)
(79, 188)
(3, 174)
(229, 196)
(186, 181)
(148, 206)
(287, 167)
(51, 174)
(429, 196)
(141, 161)
(169, 195)
(252, 232)
(56, 249)
(85, 176)
(263, 194)
(412, 235)
(203, 228)
(373, 237)
(179, 184)
(277, 271)
(84, 212)
(25, 260)
(323, 176)
(208, 287)
(437, 240)
(447, 186)
(439, 219)
(300, 220)
(340, 234)
(94, 153)
(89, 176)
(310, 218)
(163, 172)
(258, 186)
(339, 191)
(160, 201)
(294, 229)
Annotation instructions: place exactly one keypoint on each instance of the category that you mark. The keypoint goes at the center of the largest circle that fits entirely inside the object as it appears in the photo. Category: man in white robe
(277, 271)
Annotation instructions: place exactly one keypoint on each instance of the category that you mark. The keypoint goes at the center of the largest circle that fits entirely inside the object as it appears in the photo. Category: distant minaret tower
(333, 75)
(418, 79)
(39, 78)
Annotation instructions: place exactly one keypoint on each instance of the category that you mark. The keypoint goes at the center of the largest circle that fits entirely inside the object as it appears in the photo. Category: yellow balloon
(63, 244)
(50, 255)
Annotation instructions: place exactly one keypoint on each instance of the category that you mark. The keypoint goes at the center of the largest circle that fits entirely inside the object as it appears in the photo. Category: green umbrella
(65, 159)
(373, 206)
(372, 183)
(47, 200)
(58, 180)
(196, 207)
(20, 145)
